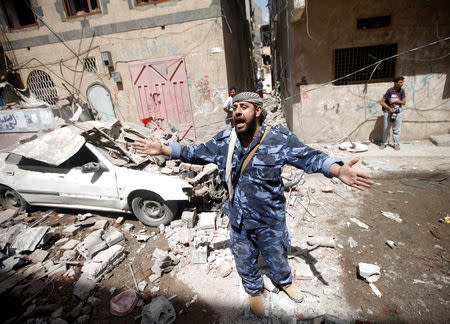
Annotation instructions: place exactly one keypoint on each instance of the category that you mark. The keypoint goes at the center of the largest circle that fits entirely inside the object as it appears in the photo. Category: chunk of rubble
(113, 236)
(38, 256)
(160, 310)
(224, 268)
(207, 220)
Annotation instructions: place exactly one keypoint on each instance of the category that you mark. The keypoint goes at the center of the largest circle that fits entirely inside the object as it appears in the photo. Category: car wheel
(152, 210)
(10, 199)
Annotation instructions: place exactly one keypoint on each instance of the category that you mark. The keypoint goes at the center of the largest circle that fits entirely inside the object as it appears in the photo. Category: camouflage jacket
(258, 199)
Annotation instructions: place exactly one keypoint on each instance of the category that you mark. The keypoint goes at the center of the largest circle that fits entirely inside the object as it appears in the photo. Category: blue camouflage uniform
(257, 208)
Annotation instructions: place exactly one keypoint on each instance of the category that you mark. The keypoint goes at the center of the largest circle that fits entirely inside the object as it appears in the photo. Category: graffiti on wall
(421, 84)
(148, 48)
(26, 120)
(327, 108)
(205, 98)
(373, 107)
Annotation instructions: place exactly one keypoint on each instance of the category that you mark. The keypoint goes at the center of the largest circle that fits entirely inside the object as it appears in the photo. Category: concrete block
(92, 244)
(161, 254)
(171, 164)
(220, 242)
(185, 166)
(200, 254)
(369, 272)
(167, 171)
(104, 262)
(176, 223)
(8, 235)
(207, 220)
(7, 215)
(62, 241)
(190, 218)
(156, 270)
(224, 268)
(141, 237)
(119, 220)
(142, 285)
(70, 230)
(195, 168)
(183, 236)
(154, 277)
(70, 245)
(100, 224)
(84, 286)
(58, 271)
(34, 269)
(68, 255)
(159, 311)
(113, 236)
(128, 227)
(38, 256)
(301, 269)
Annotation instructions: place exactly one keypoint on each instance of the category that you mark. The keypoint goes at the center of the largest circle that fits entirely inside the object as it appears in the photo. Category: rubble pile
(275, 114)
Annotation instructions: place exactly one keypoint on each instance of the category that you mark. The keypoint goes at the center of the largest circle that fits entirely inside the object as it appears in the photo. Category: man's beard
(251, 126)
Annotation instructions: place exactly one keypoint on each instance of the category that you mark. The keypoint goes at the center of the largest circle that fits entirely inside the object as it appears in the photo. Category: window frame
(90, 13)
(359, 63)
(150, 2)
(5, 16)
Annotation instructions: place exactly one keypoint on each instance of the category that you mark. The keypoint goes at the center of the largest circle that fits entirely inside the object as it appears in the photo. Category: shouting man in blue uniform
(250, 157)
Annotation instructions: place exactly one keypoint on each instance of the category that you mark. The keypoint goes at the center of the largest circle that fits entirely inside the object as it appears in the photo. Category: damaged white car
(88, 180)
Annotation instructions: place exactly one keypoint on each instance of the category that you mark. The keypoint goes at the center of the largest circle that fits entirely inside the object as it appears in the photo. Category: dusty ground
(414, 278)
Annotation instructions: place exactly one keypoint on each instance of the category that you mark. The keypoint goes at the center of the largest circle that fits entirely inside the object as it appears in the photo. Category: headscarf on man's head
(254, 98)
(248, 96)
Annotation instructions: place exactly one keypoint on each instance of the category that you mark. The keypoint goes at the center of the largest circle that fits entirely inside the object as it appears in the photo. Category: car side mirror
(93, 167)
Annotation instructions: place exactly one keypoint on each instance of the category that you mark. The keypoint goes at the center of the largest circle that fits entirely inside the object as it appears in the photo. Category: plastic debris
(352, 242)
(123, 303)
(391, 244)
(393, 216)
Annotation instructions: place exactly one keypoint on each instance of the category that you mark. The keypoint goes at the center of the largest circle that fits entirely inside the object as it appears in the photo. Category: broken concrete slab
(301, 269)
(8, 235)
(28, 239)
(369, 272)
(13, 262)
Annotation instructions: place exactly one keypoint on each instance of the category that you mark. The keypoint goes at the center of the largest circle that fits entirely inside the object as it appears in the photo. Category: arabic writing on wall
(26, 120)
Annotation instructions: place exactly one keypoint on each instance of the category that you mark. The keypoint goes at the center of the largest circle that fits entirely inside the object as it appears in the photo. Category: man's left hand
(354, 177)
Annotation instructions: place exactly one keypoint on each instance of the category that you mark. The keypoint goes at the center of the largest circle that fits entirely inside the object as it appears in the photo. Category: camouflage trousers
(273, 242)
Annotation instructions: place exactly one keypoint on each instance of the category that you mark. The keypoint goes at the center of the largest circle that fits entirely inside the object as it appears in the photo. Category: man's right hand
(151, 146)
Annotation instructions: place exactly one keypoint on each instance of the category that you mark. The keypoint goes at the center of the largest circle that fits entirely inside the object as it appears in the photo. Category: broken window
(90, 64)
(42, 86)
(76, 8)
(146, 2)
(349, 60)
(18, 13)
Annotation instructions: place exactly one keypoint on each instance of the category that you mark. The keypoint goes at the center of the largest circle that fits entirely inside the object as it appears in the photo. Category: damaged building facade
(317, 46)
(169, 61)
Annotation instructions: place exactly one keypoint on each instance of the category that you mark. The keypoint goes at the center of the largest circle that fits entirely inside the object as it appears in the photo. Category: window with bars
(18, 13)
(90, 64)
(75, 8)
(147, 2)
(349, 60)
(42, 86)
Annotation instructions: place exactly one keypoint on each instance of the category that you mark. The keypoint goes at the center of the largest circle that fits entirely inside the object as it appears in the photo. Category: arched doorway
(100, 99)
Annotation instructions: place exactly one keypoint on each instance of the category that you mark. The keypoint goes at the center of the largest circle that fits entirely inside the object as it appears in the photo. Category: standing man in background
(392, 103)
(228, 105)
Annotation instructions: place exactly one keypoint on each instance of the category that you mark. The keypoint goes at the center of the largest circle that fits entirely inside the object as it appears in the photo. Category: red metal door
(162, 93)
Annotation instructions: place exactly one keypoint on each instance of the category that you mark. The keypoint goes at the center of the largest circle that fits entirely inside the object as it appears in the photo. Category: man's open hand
(149, 146)
(354, 177)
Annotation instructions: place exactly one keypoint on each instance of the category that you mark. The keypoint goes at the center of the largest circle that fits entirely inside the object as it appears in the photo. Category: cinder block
(200, 254)
(207, 220)
(190, 218)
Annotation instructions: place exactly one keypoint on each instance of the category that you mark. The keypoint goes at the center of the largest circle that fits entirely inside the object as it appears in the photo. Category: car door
(88, 189)
(35, 181)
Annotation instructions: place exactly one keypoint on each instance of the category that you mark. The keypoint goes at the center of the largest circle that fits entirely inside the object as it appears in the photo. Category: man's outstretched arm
(350, 176)
(151, 146)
